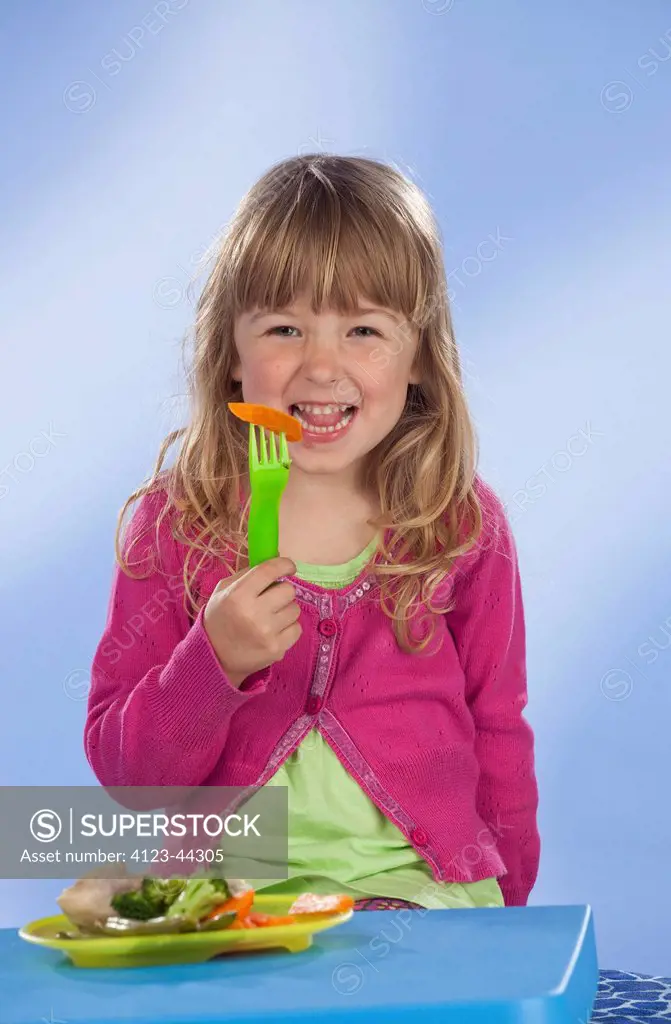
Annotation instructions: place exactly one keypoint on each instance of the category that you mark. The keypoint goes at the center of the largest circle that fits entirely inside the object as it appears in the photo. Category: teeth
(326, 430)
(320, 410)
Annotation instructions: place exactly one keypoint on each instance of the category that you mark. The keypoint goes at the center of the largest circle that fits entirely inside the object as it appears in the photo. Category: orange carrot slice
(240, 904)
(239, 924)
(311, 903)
(273, 419)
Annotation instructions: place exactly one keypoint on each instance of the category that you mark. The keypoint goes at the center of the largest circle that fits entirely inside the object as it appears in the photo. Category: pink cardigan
(438, 742)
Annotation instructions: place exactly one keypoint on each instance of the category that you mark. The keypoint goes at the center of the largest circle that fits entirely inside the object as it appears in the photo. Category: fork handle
(263, 530)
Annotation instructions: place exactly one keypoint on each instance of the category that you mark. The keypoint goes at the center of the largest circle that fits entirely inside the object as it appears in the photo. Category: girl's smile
(323, 422)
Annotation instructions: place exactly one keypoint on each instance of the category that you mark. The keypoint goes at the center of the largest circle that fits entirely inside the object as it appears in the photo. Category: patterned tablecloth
(625, 998)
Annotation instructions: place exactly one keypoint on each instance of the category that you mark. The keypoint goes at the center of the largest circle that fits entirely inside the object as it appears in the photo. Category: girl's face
(344, 376)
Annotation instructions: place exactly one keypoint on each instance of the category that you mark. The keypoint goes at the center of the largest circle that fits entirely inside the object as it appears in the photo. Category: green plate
(182, 948)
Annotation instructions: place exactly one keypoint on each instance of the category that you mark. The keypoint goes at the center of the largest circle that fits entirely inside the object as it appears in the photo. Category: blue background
(126, 150)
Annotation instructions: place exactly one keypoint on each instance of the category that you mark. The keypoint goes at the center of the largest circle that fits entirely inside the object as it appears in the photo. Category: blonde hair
(334, 228)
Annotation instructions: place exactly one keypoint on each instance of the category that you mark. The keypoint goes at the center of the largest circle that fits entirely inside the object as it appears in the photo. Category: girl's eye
(283, 327)
(371, 329)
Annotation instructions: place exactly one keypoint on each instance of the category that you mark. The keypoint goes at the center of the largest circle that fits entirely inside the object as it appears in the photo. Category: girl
(381, 678)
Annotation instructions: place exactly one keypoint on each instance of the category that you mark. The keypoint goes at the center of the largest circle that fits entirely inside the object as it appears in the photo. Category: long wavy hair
(334, 228)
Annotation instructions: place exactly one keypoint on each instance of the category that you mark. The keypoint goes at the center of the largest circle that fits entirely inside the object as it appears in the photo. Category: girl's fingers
(287, 616)
(278, 597)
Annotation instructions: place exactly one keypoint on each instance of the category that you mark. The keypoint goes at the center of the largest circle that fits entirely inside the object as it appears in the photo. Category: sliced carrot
(312, 903)
(261, 921)
(238, 924)
(263, 416)
(240, 904)
(270, 920)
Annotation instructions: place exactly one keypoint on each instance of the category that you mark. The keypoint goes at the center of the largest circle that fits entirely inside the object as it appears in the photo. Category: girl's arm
(488, 627)
(160, 703)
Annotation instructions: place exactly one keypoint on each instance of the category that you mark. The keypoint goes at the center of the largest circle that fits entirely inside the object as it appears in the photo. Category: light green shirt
(339, 841)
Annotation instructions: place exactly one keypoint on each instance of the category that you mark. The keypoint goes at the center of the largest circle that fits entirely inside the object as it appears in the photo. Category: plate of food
(146, 921)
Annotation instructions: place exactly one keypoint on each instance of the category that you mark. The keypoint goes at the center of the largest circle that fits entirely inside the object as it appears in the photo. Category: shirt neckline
(335, 572)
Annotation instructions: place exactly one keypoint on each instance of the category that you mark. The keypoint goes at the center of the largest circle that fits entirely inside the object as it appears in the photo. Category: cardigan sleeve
(487, 624)
(160, 704)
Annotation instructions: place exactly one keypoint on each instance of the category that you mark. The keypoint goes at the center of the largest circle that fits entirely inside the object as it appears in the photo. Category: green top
(339, 841)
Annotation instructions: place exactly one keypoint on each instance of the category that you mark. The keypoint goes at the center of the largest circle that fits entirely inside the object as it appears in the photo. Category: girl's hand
(251, 620)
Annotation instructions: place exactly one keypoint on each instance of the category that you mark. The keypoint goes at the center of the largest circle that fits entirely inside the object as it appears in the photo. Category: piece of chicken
(88, 902)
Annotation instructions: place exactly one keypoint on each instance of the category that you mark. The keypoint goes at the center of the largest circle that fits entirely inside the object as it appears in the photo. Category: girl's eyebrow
(377, 309)
(269, 312)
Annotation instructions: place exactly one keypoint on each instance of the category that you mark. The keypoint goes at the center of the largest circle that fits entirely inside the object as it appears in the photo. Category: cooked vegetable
(273, 419)
(312, 903)
(223, 920)
(239, 906)
(269, 920)
(262, 921)
(166, 889)
(136, 906)
(142, 906)
(199, 897)
(154, 906)
(152, 900)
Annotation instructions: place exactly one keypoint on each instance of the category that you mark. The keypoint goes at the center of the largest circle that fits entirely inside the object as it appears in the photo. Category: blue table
(536, 964)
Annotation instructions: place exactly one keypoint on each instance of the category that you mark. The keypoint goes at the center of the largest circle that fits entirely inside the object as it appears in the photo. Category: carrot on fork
(273, 419)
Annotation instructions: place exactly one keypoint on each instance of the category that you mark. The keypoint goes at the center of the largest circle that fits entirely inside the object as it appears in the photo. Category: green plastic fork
(268, 476)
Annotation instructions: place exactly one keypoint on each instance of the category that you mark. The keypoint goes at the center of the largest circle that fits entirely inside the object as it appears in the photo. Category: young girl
(381, 679)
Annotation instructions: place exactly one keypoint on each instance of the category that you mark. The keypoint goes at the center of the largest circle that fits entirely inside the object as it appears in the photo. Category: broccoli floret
(172, 898)
(163, 891)
(221, 886)
(136, 905)
(198, 897)
(151, 900)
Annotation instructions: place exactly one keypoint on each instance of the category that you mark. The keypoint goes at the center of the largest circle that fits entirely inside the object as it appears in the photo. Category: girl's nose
(322, 364)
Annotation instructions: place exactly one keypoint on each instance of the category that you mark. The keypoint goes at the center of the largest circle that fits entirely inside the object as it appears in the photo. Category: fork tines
(264, 459)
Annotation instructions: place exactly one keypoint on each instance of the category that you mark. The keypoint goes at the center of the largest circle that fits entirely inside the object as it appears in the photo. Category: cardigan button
(314, 705)
(419, 837)
(327, 627)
